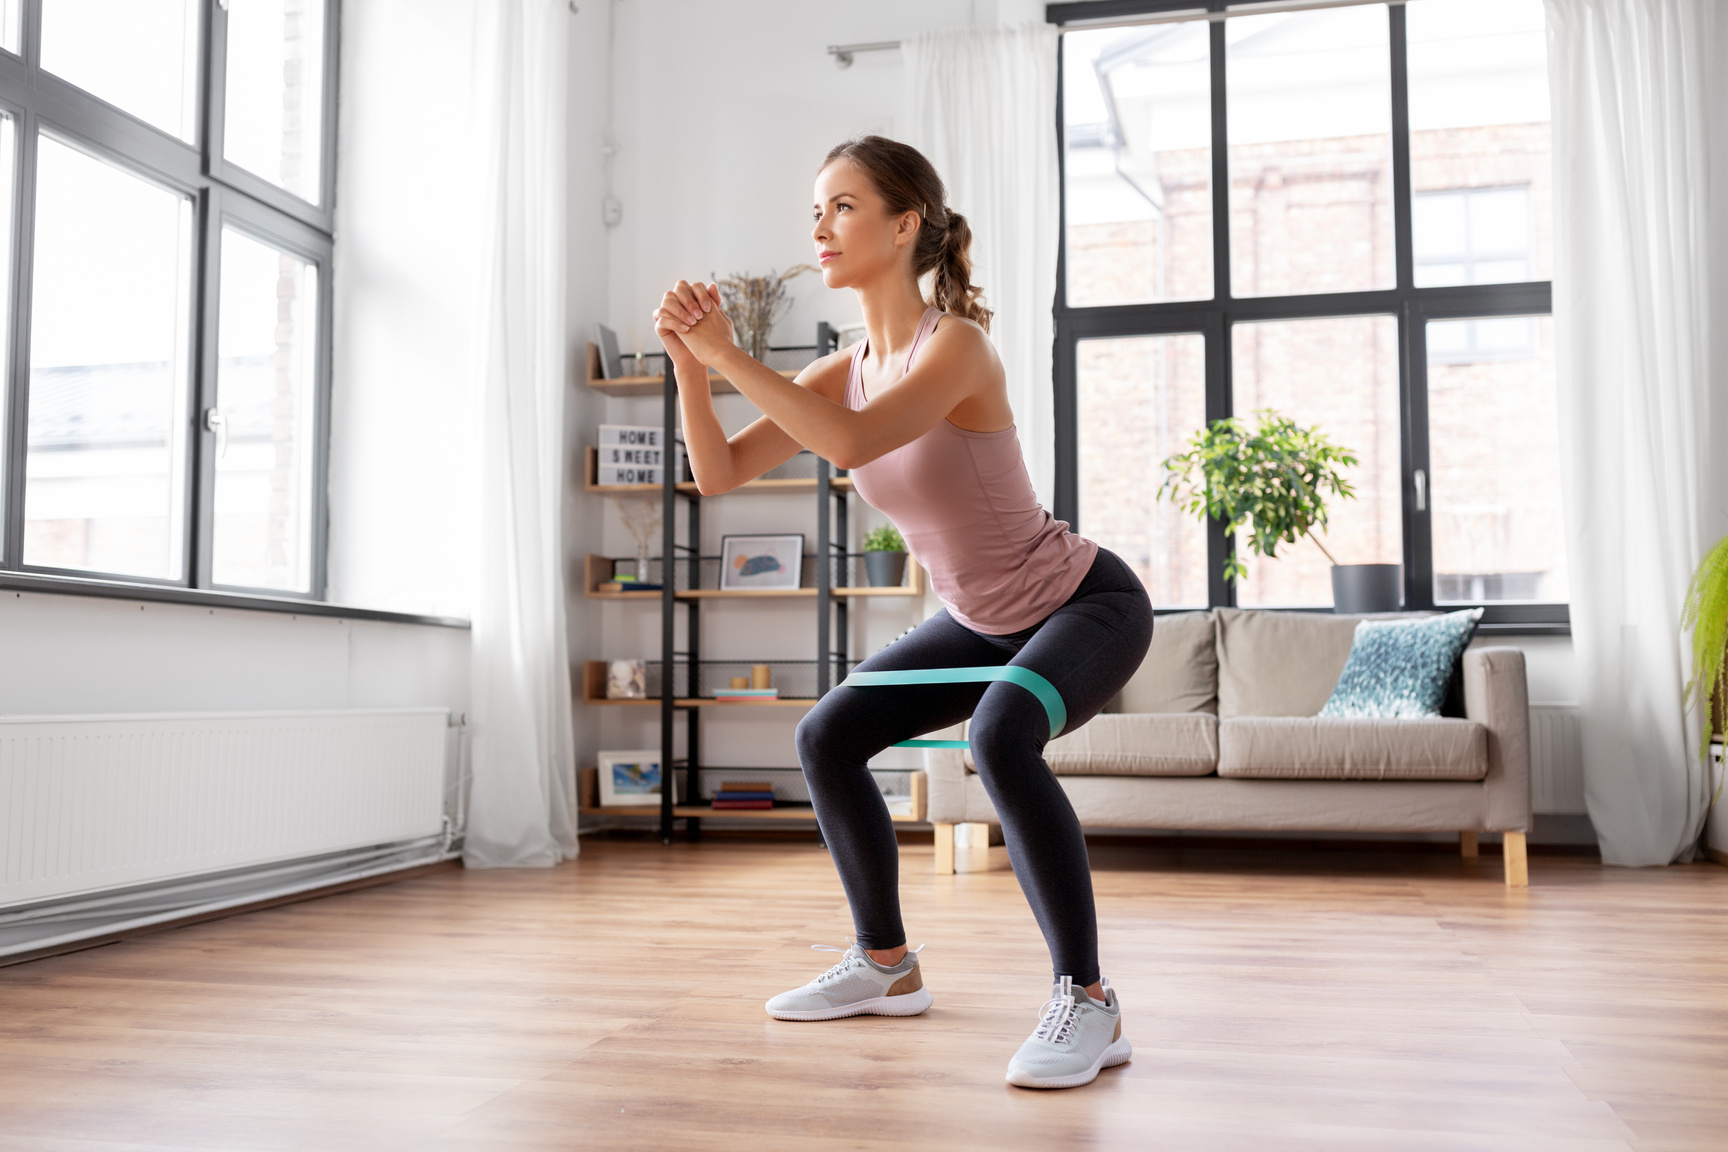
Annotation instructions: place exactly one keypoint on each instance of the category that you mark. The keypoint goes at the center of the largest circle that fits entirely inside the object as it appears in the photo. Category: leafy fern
(1274, 479)
(1706, 614)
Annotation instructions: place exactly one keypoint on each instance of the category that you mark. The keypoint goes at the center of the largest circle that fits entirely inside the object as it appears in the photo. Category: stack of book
(740, 695)
(626, 584)
(744, 794)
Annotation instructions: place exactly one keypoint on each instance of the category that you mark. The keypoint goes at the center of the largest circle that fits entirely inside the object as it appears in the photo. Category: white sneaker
(1075, 1037)
(855, 987)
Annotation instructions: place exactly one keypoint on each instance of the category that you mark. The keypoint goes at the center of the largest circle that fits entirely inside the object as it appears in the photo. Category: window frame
(221, 195)
(1214, 319)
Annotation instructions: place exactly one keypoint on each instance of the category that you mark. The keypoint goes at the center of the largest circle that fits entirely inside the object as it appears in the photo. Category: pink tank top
(965, 504)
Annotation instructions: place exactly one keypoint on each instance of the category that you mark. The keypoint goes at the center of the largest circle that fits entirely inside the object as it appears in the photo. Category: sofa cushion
(1331, 748)
(1283, 663)
(1136, 744)
(1180, 672)
(1401, 667)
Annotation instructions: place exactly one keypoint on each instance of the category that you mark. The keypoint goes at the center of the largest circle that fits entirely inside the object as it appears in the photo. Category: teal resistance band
(1012, 673)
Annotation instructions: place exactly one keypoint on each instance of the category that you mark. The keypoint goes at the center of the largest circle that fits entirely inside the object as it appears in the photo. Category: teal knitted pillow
(1400, 667)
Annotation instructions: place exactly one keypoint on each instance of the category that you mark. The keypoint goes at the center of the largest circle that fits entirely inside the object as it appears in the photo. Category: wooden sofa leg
(1467, 845)
(944, 849)
(1517, 866)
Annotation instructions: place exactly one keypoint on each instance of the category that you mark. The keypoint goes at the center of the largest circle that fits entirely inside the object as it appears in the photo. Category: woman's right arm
(720, 463)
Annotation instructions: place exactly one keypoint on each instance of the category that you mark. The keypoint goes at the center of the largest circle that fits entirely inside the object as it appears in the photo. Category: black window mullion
(214, 80)
(18, 362)
(332, 77)
(1065, 351)
(1403, 245)
(1220, 542)
(1412, 423)
(323, 386)
(17, 381)
(202, 489)
(1220, 158)
(1418, 497)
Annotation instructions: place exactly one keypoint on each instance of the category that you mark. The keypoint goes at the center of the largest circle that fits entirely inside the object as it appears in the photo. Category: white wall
(79, 655)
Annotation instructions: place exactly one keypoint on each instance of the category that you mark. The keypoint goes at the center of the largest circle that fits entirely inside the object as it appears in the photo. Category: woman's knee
(1006, 728)
(825, 738)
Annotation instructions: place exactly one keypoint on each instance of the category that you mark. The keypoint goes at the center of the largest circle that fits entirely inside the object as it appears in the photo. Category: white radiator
(97, 802)
(1556, 760)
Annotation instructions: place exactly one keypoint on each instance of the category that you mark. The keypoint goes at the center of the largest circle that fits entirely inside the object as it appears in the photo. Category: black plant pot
(1358, 589)
(885, 569)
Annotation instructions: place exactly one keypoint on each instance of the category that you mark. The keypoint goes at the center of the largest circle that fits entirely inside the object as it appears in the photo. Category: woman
(918, 412)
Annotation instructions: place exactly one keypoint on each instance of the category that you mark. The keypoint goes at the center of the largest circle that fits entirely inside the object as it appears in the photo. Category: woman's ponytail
(953, 291)
(908, 183)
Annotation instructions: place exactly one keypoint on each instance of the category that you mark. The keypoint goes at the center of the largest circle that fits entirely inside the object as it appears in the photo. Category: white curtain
(983, 104)
(522, 810)
(1640, 301)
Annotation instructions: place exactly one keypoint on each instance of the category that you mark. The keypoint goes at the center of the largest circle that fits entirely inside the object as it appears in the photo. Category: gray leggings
(1087, 649)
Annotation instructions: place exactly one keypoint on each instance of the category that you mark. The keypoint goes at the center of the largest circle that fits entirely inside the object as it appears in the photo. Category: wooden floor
(1288, 999)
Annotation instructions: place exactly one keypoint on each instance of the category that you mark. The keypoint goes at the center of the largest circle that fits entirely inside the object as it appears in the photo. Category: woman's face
(856, 238)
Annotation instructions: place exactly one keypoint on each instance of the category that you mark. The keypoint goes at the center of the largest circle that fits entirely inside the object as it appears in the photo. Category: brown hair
(908, 182)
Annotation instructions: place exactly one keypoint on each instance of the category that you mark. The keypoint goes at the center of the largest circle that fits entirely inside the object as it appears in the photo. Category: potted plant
(885, 556)
(1275, 479)
(754, 303)
(1706, 614)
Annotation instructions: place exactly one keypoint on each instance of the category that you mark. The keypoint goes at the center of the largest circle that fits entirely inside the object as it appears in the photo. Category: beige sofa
(1220, 730)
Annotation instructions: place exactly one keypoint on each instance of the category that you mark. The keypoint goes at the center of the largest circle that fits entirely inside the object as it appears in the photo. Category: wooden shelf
(650, 385)
(705, 702)
(597, 570)
(591, 469)
(588, 790)
(593, 690)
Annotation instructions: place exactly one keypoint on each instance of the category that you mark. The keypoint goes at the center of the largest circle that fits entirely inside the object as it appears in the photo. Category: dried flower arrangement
(754, 303)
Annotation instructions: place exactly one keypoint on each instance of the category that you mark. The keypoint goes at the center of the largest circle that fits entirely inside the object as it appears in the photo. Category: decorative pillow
(1401, 667)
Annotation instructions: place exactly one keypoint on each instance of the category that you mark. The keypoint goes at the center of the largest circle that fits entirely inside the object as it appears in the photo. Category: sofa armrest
(1497, 697)
(945, 771)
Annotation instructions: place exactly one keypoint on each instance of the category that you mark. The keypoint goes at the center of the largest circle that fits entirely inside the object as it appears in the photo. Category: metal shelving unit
(683, 587)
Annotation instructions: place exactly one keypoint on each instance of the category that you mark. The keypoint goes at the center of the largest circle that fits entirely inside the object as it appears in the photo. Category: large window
(1341, 214)
(166, 165)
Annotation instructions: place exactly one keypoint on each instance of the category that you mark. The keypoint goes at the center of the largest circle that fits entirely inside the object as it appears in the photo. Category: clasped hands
(692, 325)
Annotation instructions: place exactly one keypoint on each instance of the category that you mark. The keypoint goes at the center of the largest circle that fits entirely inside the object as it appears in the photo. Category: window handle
(217, 423)
(1421, 479)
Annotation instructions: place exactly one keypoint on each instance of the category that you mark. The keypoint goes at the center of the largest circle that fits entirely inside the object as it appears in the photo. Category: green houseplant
(885, 556)
(1706, 614)
(1275, 479)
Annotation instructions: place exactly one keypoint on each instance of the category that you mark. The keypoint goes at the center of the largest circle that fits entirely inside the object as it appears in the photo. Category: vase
(885, 569)
(1358, 589)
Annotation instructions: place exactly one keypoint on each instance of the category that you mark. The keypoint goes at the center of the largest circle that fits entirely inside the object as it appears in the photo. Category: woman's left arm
(954, 364)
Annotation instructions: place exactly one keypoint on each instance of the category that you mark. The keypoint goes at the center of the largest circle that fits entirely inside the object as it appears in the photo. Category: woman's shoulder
(826, 375)
(959, 338)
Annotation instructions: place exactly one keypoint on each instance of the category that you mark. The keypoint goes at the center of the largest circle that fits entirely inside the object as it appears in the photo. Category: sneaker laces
(849, 961)
(1060, 1015)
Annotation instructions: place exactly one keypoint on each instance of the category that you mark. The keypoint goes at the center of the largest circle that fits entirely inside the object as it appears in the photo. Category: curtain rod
(1256, 8)
(843, 53)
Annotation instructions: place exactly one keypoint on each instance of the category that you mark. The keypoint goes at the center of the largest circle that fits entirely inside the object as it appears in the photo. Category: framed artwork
(761, 562)
(629, 778)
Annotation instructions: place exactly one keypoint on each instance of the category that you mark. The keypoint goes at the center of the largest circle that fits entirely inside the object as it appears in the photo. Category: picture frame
(761, 563)
(630, 778)
(611, 364)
